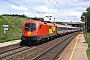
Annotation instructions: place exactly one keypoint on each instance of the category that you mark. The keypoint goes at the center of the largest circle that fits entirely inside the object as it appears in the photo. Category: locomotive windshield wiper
(27, 28)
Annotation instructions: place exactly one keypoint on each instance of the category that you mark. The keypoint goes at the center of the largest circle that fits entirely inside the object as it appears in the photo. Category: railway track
(9, 48)
(12, 51)
(53, 52)
(25, 53)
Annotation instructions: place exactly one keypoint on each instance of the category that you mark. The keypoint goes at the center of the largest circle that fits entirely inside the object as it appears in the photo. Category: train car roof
(59, 25)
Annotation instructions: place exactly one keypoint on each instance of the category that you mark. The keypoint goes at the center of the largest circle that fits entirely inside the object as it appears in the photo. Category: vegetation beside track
(14, 30)
(88, 41)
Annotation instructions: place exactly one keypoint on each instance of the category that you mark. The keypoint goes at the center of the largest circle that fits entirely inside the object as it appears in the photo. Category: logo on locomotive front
(29, 32)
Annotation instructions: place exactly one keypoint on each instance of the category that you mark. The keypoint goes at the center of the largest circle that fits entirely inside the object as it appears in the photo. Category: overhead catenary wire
(63, 10)
(24, 3)
(57, 8)
(11, 2)
(29, 7)
(19, 4)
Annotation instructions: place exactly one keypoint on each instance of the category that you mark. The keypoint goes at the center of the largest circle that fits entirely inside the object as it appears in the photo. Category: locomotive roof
(59, 25)
(37, 21)
(32, 21)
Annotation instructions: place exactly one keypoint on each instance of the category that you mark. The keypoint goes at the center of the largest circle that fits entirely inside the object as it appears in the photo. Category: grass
(88, 41)
(14, 30)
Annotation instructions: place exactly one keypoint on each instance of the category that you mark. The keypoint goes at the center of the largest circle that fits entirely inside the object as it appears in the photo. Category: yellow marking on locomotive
(54, 28)
(50, 31)
(29, 32)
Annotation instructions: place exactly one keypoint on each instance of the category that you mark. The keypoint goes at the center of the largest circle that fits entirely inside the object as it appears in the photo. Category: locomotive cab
(29, 32)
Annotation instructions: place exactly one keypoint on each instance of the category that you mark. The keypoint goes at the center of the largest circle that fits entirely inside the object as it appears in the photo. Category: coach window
(62, 28)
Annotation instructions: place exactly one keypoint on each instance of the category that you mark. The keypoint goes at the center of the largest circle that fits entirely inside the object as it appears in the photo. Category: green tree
(87, 16)
(59, 22)
(36, 18)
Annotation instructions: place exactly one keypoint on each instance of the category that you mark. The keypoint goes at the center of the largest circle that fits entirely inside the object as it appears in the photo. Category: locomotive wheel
(43, 40)
(37, 42)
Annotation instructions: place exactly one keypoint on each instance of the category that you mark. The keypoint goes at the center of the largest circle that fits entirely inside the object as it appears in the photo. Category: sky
(61, 10)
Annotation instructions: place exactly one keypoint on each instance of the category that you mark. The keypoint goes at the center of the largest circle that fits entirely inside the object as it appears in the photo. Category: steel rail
(51, 53)
(13, 52)
(9, 48)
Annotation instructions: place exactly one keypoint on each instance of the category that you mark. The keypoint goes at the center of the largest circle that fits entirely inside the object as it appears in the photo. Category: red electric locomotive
(34, 31)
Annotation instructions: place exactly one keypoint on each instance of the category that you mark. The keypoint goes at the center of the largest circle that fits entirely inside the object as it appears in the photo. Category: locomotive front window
(31, 26)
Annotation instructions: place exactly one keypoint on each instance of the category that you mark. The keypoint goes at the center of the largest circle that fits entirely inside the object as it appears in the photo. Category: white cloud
(75, 2)
(33, 14)
(68, 15)
(80, 9)
(72, 14)
(71, 8)
(26, 13)
(36, 0)
(44, 1)
(76, 11)
(18, 7)
(44, 9)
